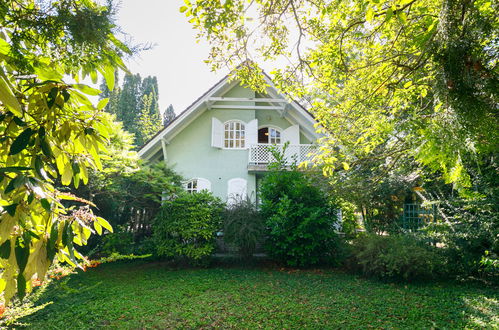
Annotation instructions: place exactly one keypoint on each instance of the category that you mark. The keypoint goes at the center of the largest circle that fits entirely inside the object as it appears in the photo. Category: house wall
(191, 155)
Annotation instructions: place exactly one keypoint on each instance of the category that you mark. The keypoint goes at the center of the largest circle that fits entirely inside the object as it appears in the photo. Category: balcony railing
(260, 154)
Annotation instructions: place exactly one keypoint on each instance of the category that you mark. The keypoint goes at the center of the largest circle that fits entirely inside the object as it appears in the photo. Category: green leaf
(102, 103)
(98, 228)
(11, 209)
(52, 96)
(8, 98)
(21, 286)
(87, 89)
(10, 169)
(65, 95)
(183, 9)
(21, 142)
(107, 72)
(19, 121)
(47, 151)
(45, 204)
(65, 238)
(22, 253)
(51, 248)
(5, 250)
(15, 183)
(39, 168)
(103, 222)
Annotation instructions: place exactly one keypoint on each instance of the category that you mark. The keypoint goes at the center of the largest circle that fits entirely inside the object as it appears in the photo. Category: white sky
(176, 58)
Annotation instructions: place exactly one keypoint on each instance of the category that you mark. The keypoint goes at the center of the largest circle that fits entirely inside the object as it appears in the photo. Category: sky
(176, 58)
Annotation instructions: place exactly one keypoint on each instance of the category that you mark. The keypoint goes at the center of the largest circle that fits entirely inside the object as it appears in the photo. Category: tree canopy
(50, 131)
(415, 78)
(135, 104)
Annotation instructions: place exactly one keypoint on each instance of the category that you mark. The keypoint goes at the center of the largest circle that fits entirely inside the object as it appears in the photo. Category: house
(221, 141)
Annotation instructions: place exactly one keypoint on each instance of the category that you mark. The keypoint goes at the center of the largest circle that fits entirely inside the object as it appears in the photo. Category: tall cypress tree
(129, 102)
(135, 105)
(150, 87)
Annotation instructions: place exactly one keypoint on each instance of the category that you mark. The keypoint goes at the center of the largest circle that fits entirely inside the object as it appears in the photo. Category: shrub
(120, 241)
(398, 257)
(243, 227)
(299, 219)
(186, 226)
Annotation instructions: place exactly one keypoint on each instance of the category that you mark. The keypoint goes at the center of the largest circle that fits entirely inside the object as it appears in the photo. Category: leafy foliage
(399, 257)
(135, 104)
(49, 130)
(127, 193)
(418, 76)
(470, 229)
(299, 217)
(243, 226)
(186, 226)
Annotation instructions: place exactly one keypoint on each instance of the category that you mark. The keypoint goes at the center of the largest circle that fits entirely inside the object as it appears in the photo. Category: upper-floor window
(234, 134)
(269, 135)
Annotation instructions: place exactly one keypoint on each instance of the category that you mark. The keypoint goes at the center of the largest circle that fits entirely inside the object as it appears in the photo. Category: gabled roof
(200, 105)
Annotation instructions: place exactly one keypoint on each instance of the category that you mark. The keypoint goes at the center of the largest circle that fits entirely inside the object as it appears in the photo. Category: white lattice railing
(260, 154)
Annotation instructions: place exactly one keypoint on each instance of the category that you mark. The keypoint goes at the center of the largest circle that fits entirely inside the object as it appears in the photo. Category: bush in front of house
(243, 227)
(299, 219)
(396, 257)
(186, 226)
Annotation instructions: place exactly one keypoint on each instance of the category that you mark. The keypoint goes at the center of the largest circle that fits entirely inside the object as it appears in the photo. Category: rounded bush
(187, 226)
(300, 220)
(397, 257)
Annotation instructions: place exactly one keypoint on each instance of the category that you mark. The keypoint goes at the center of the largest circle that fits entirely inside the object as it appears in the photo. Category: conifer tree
(168, 115)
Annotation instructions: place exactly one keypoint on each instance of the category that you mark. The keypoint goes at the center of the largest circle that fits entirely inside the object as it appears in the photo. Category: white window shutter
(236, 190)
(291, 134)
(203, 184)
(251, 133)
(217, 133)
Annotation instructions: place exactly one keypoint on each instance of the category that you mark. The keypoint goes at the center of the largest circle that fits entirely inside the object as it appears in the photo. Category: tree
(128, 108)
(49, 130)
(417, 76)
(126, 187)
(168, 115)
(136, 106)
(149, 120)
(150, 87)
(112, 95)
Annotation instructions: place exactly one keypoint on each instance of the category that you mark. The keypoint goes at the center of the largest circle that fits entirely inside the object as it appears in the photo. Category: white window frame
(227, 139)
(196, 185)
(275, 128)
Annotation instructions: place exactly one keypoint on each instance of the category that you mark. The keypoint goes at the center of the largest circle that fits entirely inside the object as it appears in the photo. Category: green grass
(147, 294)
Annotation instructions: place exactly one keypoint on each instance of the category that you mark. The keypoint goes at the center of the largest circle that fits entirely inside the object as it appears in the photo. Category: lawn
(148, 294)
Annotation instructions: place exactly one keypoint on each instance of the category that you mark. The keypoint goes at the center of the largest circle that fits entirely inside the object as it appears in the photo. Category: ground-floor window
(197, 185)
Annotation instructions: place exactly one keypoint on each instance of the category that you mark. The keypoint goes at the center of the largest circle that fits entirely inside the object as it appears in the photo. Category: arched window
(269, 135)
(197, 185)
(234, 134)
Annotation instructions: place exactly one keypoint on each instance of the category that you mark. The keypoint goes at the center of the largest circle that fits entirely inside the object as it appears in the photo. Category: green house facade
(221, 141)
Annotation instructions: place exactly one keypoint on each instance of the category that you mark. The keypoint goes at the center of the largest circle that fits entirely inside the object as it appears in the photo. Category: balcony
(260, 155)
